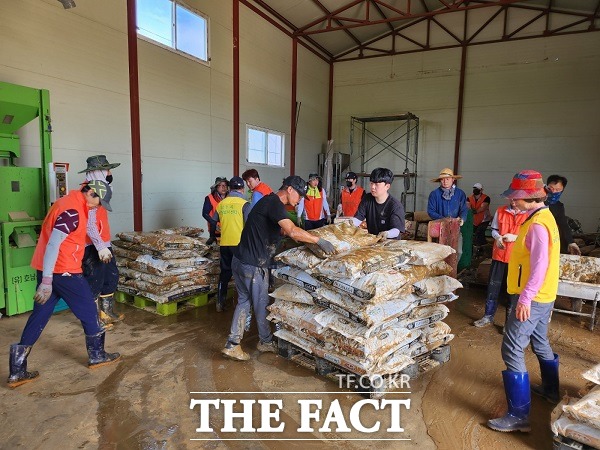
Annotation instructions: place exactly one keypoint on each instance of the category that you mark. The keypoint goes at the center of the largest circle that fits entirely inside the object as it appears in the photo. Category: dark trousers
(225, 263)
(102, 277)
(496, 287)
(479, 234)
(313, 224)
(75, 291)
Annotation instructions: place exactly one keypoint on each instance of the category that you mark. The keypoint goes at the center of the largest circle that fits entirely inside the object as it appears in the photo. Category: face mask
(476, 191)
(349, 183)
(109, 179)
(553, 197)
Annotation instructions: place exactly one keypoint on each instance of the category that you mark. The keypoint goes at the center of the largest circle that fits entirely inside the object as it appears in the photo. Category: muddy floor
(143, 402)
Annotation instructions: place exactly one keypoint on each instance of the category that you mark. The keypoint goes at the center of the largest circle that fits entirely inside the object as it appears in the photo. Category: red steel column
(236, 87)
(134, 106)
(294, 106)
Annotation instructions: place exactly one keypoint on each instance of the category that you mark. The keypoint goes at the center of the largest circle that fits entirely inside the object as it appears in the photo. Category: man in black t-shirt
(384, 214)
(252, 258)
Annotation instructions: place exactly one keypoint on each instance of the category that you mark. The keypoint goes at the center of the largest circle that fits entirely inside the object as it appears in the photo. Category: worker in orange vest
(480, 205)
(257, 187)
(350, 197)
(315, 211)
(218, 192)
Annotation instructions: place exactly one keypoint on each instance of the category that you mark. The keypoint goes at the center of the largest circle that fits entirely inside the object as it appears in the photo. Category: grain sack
(587, 409)
(583, 269)
(424, 315)
(184, 231)
(150, 264)
(363, 313)
(159, 242)
(197, 277)
(135, 250)
(297, 277)
(343, 236)
(593, 374)
(423, 301)
(563, 425)
(435, 286)
(393, 363)
(292, 293)
(420, 253)
(362, 261)
(295, 314)
(434, 331)
(167, 290)
(294, 339)
(299, 257)
(177, 293)
(385, 285)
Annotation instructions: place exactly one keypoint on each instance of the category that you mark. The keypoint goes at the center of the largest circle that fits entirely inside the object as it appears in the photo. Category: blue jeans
(76, 293)
(518, 335)
(252, 285)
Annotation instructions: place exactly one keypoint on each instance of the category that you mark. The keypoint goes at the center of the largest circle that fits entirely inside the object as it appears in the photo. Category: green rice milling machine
(25, 192)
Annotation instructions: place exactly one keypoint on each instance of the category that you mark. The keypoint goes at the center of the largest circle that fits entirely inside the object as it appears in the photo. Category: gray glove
(105, 255)
(326, 246)
(43, 292)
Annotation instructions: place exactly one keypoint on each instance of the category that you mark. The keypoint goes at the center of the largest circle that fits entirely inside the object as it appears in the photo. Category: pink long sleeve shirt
(536, 241)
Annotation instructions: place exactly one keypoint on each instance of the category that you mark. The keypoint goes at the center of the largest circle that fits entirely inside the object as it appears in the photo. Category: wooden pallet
(564, 443)
(423, 363)
(170, 308)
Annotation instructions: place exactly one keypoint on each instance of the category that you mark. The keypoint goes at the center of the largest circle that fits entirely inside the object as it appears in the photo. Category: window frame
(174, 4)
(267, 131)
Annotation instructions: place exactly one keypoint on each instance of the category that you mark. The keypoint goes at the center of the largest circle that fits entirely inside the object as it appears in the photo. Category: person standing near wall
(252, 259)
(232, 213)
(316, 212)
(57, 259)
(480, 205)
(218, 192)
(258, 188)
(555, 186)
(505, 228)
(383, 213)
(533, 270)
(351, 196)
(99, 264)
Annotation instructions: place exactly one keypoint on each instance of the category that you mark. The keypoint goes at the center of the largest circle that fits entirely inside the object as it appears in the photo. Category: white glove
(461, 222)
(44, 291)
(105, 255)
(383, 235)
(574, 249)
(508, 237)
(500, 243)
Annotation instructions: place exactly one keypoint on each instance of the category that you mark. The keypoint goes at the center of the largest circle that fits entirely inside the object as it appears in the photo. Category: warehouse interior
(496, 86)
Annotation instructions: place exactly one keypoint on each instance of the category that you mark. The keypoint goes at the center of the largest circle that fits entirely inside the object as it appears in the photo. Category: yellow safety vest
(232, 220)
(519, 263)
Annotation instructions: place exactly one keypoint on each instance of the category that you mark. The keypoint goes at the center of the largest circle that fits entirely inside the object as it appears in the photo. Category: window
(265, 146)
(173, 25)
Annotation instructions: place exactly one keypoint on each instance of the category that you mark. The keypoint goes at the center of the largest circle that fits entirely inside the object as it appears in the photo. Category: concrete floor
(144, 400)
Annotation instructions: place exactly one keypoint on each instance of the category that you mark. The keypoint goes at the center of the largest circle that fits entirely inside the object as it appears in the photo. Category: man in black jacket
(555, 185)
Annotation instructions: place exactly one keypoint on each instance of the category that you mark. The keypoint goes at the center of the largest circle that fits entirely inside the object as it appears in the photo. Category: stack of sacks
(579, 418)
(372, 307)
(165, 265)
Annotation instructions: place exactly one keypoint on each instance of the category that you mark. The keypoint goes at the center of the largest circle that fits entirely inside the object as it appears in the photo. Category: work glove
(328, 219)
(44, 291)
(326, 246)
(105, 255)
(461, 222)
(500, 243)
(211, 240)
(382, 235)
(574, 249)
(508, 237)
(340, 211)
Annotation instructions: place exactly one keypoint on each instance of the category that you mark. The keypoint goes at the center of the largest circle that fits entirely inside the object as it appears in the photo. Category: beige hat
(446, 173)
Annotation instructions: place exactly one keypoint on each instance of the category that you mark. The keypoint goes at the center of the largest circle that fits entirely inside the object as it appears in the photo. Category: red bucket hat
(526, 184)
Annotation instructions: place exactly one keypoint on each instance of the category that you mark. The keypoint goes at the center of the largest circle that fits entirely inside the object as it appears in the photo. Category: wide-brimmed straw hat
(526, 184)
(446, 173)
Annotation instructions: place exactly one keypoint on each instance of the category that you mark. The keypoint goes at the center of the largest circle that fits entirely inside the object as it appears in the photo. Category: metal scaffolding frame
(405, 146)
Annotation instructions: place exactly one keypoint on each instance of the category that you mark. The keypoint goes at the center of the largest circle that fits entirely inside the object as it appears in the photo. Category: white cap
(478, 186)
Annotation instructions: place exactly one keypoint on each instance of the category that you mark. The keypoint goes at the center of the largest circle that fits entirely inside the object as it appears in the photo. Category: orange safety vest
(263, 188)
(102, 224)
(72, 248)
(313, 207)
(351, 200)
(214, 202)
(476, 204)
(507, 223)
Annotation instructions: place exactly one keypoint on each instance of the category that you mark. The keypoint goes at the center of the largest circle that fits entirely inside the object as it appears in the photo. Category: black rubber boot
(95, 349)
(18, 366)
(222, 297)
(107, 303)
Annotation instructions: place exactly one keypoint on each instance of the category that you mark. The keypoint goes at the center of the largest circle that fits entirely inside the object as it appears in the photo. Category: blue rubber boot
(488, 317)
(518, 397)
(549, 387)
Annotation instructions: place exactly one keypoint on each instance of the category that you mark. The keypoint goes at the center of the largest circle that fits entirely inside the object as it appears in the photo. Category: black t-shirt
(261, 233)
(381, 217)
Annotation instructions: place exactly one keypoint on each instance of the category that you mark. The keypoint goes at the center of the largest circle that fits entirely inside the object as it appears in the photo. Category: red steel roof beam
(326, 11)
